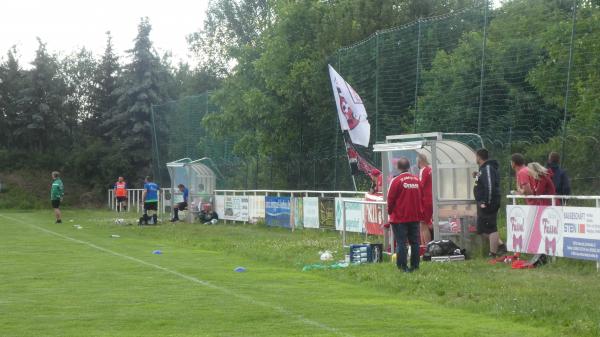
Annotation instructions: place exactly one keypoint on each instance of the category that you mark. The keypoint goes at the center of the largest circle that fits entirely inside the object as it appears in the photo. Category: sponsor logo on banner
(550, 220)
(236, 208)
(374, 216)
(327, 213)
(297, 211)
(277, 211)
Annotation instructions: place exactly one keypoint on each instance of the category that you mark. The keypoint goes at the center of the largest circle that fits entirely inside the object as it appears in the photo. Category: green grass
(56, 280)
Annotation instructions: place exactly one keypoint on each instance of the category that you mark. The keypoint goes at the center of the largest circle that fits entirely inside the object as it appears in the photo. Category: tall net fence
(525, 76)
(179, 133)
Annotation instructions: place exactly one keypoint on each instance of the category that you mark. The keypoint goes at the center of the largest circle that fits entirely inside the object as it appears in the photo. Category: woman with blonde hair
(541, 183)
(426, 224)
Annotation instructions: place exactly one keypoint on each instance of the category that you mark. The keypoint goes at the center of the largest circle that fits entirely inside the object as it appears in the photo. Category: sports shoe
(174, 220)
(502, 249)
(58, 221)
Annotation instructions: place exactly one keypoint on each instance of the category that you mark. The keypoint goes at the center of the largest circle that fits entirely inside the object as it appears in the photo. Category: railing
(554, 198)
(383, 205)
(292, 193)
(134, 200)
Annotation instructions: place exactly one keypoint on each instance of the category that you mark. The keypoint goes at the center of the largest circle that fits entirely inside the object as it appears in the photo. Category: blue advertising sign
(277, 211)
(583, 249)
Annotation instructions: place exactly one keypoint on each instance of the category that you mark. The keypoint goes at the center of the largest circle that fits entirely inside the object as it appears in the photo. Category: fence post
(482, 71)
(417, 74)
(567, 86)
(155, 143)
(343, 223)
(256, 172)
(335, 128)
(376, 86)
(314, 172)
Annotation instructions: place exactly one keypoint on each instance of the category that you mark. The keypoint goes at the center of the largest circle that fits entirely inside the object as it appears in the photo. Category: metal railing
(383, 205)
(554, 198)
(292, 193)
(135, 202)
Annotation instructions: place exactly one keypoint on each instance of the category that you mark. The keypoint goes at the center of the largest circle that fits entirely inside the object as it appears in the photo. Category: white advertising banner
(220, 205)
(310, 207)
(355, 215)
(236, 208)
(257, 207)
(554, 230)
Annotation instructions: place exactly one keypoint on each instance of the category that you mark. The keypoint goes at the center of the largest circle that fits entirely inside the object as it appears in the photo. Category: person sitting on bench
(182, 205)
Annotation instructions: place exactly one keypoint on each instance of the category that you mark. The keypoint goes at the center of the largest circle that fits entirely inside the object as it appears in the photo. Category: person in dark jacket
(487, 196)
(559, 176)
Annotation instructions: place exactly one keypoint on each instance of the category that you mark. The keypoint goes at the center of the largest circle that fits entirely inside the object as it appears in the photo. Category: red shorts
(428, 215)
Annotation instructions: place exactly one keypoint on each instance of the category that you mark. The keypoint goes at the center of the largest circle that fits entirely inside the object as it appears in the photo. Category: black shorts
(181, 205)
(151, 206)
(121, 199)
(56, 203)
(487, 222)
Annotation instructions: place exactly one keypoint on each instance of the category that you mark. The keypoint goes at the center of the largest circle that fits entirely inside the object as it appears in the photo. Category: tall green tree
(12, 82)
(103, 97)
(143, 84)
(47, 124)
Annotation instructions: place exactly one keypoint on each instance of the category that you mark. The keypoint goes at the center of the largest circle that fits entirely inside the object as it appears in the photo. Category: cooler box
(366, 253)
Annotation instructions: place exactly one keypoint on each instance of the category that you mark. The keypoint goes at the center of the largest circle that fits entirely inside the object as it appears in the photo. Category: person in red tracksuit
(405, 212)
(426, 198)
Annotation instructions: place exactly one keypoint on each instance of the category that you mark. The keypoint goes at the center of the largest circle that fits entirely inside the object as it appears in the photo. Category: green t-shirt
(57, 191)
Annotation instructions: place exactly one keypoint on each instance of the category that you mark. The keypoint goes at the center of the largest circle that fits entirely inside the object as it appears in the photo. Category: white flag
(351, 110)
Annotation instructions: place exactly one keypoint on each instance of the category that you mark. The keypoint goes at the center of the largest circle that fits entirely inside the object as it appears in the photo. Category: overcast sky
(66, 25)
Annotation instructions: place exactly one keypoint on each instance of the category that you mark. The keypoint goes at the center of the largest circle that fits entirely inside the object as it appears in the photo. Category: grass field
(56, 280)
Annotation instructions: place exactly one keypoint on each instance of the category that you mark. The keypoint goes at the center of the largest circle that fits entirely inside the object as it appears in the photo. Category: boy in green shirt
(56, 194)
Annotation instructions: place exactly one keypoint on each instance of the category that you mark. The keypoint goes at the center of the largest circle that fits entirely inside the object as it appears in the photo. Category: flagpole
(348, 160)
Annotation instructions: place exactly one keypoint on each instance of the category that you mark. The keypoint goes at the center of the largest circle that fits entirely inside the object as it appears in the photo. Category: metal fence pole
(417, 74)
(376, 86)
(482, 72)
(343, 223)
(567, 86)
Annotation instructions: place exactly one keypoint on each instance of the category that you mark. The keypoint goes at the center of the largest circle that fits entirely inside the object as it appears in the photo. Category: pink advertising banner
(554, 230)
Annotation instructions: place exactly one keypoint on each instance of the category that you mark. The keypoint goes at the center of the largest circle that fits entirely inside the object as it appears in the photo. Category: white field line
(207, 284)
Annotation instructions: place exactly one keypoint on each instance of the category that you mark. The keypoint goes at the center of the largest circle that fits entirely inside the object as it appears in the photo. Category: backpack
(442, 248)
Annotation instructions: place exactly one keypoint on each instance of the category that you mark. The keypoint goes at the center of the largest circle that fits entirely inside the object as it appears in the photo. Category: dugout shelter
(199, 176)
(452, 159)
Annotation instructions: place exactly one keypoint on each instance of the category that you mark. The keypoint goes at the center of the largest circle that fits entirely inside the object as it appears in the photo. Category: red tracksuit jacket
(404, 199)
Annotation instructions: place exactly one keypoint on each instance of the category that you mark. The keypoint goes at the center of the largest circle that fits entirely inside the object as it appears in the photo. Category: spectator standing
(120, 190)
(426, 224)
(487, 196)
(57, 191)
(404, 209)
(541, 183)
(376, 181)
(517, 162)
(150, 199)
(561, 181)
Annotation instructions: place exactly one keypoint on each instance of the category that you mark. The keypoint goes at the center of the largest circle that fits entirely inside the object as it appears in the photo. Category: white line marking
(207, 284)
